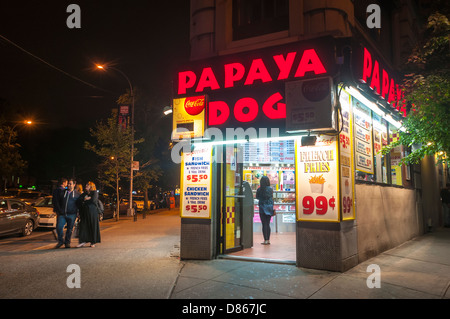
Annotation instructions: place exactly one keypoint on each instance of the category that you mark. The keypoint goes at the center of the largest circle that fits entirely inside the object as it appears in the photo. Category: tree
(427, 88)
(11, 162)
(113, 146)
(149, 170)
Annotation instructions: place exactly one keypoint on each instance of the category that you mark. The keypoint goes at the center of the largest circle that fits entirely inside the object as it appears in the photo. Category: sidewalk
(417, 269)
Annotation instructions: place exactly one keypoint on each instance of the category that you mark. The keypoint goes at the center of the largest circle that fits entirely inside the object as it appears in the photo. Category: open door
(232, 199)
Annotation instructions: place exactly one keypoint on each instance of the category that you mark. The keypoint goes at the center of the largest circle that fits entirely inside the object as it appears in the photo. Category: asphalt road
(136, 259)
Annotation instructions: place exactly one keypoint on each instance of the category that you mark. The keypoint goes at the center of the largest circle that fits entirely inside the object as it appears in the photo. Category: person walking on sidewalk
(264, 195)
(89, 221)
(69, 211)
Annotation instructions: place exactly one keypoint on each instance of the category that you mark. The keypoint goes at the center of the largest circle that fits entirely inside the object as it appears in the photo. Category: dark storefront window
(253, 18)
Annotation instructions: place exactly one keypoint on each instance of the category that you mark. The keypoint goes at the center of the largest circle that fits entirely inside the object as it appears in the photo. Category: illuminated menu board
(362, 131)
(346, 166)
(275, 152)
(196, 183)
(317, 190)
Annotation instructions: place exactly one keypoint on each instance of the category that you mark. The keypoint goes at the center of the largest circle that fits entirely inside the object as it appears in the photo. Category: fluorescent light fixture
(371, 105)
(271, 139)
(224, 142)
(389, 118)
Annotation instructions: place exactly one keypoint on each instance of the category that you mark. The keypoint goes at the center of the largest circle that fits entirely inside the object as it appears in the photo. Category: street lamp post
(130, 211)
(27, 122)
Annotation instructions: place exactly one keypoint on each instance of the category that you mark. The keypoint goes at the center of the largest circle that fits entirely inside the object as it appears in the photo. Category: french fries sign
(317, 181)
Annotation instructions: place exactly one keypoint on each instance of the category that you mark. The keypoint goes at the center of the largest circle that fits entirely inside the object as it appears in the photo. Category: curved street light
(26, 122)
(130, 211)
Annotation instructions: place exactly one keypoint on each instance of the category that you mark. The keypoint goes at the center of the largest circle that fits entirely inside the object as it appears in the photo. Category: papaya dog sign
(248, 89)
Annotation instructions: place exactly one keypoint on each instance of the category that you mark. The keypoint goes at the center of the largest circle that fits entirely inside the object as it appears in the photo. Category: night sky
(146, 40)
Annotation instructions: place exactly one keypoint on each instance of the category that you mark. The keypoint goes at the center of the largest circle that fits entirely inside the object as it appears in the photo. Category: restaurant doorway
(244, 165)
(232, 199)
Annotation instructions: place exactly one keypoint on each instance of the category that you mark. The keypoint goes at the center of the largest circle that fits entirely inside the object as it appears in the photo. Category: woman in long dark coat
(89, 223)
(265, 196)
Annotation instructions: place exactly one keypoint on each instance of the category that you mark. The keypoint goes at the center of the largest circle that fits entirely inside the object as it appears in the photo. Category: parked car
(139, 200)
(31, 197)
(108, 206)
(17, 217)
(47, 218)
(124, 205)
(28, 196)
(138, 204)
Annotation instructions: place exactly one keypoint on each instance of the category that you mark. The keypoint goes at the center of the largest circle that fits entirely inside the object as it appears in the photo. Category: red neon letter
(310, 62)
(367, 66)
(375, 83)
(385, 85)
(248, 103)
(207, 79)
(214, 108)
(391, 96)
(230, 76)
(186, 80)
(257, 71)
(284, 66)
(270, 112)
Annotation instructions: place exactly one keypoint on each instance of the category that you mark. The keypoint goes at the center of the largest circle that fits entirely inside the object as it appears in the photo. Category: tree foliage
(427, 88)
(113, 146)
(11, 162)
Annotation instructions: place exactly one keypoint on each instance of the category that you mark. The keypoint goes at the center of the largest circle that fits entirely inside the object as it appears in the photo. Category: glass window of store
(276, 160)
(371, 133)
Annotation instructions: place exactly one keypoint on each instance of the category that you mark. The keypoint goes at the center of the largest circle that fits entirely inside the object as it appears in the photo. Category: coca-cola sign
(316, 90)
(194, 105)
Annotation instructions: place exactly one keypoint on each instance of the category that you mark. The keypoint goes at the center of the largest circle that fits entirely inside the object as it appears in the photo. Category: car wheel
(28, 228)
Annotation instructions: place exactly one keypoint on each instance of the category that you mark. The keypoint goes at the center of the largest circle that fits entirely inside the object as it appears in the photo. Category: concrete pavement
(140, 260)
(417, 269)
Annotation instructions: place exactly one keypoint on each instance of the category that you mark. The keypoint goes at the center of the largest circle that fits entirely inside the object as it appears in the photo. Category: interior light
(391, 120)
(271, 139)
(371, 105)
(224, 142)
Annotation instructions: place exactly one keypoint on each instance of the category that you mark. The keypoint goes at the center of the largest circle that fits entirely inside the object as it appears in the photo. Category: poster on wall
(362, 130)
(346, 160)
(196, 183)
(317, 193)
(188, 117)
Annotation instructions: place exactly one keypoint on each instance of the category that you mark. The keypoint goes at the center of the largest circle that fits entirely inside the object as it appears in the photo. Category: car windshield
(138, 197)
(44, 202)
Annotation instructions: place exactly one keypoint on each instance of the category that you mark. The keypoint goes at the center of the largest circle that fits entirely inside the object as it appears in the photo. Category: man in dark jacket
(58, 195)
(57, 200)
(68, 214)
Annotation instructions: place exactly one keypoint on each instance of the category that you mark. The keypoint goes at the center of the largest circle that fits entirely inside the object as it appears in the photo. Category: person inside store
(264, 195)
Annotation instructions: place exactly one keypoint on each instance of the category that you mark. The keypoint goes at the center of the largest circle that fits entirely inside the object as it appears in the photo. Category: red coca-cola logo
(194, 105)
(316, 90)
